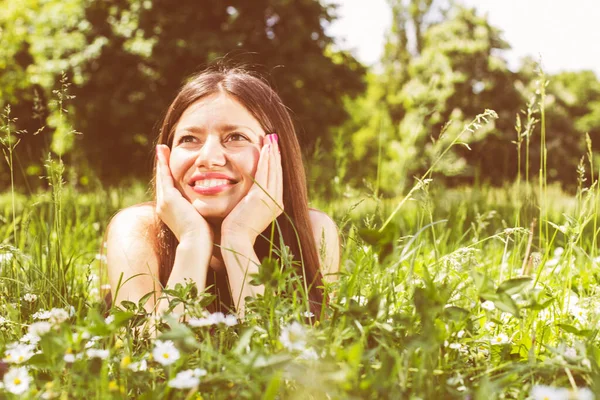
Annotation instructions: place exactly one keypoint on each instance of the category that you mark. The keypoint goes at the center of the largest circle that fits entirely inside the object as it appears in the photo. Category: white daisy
(488, 305)
(500, 339)
(542, 392)
(293, 337)
(138, 366)
(165, 353)
(184, 380)
(39, 328)
(17, 380)
(30, 297)
(41, 314)
(97, 353)
(18, 353)
(58, 316)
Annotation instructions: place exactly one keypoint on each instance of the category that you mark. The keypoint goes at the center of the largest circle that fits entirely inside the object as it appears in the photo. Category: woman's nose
(211, 154)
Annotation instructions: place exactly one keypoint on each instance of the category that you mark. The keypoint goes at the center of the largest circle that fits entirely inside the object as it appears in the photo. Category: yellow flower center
(166, 355)
(17, 381)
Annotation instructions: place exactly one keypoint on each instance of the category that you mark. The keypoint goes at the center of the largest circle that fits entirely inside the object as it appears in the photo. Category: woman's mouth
(212, 186)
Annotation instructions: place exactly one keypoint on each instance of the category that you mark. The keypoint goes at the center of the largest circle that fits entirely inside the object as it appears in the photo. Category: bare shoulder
(320, 222)
(327, 239)
(131, 237)
(139, 219)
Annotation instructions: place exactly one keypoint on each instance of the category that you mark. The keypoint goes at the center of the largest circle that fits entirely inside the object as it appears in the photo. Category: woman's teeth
(211, 182)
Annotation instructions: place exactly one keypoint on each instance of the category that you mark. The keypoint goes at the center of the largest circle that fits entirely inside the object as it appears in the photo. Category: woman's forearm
(241, 262)
(192, 259)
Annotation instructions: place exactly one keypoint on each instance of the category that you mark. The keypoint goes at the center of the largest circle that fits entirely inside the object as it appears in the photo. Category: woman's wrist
(237, 237)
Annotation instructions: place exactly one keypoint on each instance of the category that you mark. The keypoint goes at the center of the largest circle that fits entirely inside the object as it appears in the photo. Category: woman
(228, 165)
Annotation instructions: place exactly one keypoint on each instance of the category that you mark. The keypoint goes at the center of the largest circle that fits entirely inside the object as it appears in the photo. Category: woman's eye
(187, 139)
(236, 137)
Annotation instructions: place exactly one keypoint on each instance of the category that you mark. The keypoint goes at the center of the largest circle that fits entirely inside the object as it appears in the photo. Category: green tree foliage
(127, 58)
(441, 68)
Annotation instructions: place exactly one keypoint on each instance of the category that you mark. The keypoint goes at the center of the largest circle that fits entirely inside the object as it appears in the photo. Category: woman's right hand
(172, 208)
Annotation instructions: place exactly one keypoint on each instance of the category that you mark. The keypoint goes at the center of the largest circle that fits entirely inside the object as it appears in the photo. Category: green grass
(407, 320)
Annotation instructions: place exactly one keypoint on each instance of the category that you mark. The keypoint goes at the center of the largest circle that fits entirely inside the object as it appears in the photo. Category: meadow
(469, 293)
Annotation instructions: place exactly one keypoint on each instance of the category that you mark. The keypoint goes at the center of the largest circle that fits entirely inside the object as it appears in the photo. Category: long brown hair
(268, 109)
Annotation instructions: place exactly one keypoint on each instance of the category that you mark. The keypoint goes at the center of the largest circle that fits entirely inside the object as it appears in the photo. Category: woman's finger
(262, 170)
(273, 175)
(279, 174)
(159, 192)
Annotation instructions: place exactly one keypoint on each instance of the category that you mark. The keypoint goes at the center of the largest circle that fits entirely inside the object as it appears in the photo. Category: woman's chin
(210, 212)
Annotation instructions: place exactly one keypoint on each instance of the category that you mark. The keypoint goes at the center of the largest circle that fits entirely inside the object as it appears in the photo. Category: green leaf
(273, 387)
(505, 303)
(456, 313)
(515, 285)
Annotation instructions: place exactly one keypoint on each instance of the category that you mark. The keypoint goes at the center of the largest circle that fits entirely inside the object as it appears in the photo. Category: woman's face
(214, 154)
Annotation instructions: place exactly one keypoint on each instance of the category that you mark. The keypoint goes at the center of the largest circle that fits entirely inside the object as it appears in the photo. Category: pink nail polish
(275, 137)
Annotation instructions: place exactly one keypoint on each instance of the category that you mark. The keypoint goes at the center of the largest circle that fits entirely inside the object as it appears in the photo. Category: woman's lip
(212, 190)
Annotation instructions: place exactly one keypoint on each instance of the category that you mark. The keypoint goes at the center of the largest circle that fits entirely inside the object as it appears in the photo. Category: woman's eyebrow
(226, 127)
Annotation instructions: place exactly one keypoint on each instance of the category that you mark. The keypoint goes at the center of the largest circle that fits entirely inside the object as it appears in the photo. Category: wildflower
(558, 252)
(187, 379)
(18, 353)
(500, 339)
(309, 354)
(543, 392)
(92, 341)
(58, 316)
(49, 392)
(97, 353)
(30, 297)
(488, 305)
(69, 358)
(570, 352)
(41, 314)
(17, 380)
(213, 319)
(109, 320)
(230, 320)
(113, 386)
(293, 337)
(165, 353)
(579, 313)
(454, 346)
(39, 329)
(3, 321)
(308, 314)
(138, 366)
(5, 257)
(29, 338)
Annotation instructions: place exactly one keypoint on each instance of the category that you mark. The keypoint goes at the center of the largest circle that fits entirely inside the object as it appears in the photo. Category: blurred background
(371, 85)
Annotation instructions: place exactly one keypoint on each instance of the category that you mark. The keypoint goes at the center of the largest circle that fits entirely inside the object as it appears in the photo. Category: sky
(566, 34)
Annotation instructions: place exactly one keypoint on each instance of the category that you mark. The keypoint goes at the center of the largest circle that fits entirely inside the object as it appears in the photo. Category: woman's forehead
(218, 112)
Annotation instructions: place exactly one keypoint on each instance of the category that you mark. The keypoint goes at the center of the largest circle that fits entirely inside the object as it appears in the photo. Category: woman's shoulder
(139, 218)
(322, 224)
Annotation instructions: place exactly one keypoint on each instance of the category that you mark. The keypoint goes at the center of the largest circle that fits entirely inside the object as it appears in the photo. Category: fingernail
(270, 138)
(275, 138)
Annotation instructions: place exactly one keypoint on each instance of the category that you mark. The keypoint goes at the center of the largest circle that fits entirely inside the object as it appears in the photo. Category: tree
(128, 57)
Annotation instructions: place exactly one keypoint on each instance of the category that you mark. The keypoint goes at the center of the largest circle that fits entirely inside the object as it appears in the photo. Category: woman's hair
(267, 108)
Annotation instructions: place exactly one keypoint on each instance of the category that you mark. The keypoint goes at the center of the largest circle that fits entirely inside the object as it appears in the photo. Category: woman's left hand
(263, 202)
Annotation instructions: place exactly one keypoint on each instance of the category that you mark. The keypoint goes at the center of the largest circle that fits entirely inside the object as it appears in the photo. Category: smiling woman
(228, 166)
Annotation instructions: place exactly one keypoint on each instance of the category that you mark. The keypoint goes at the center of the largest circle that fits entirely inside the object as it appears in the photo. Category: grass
(464, 293)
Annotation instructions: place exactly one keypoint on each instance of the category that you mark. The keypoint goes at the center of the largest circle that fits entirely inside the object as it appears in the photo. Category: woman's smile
(215, 151)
